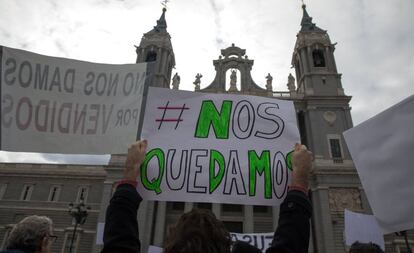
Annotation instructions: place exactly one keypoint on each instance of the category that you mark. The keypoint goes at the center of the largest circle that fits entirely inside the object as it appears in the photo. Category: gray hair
(28, 234)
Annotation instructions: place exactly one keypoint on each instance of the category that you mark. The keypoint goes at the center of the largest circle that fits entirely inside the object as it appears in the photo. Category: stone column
(160, 224)
(364, 200)
(275, 214)
(145, 217)
(311, 247)
(322, 220)
(303, 62)
(308, 59)
(188, 206)
(348, 118)
(159, 56)
(217, 210)
(222, 80)
(248, 225)
(106, 196)
(328, 59)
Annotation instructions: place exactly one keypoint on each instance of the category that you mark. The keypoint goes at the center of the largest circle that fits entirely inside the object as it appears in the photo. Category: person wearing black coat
(291, 235)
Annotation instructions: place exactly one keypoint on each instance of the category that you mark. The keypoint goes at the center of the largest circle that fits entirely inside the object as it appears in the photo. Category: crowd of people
(198, 231)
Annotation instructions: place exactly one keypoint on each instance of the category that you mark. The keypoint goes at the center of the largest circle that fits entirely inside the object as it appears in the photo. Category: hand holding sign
(135, 157)
(302, 163)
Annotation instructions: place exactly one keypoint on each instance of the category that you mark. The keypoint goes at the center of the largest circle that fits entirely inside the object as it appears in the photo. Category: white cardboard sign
(363, 228)
(58, 105)
(217, 147)
(262, 241)
(99, 233)
(155, 249)
(382, 150)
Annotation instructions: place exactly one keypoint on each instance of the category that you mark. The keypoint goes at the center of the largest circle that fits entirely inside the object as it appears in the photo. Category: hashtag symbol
(174, 108)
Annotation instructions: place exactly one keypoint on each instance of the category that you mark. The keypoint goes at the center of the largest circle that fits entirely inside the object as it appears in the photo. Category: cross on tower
(164, 3)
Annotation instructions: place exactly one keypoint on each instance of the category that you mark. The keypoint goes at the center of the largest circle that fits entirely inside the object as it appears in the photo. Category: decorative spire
(161, 23)
(306, 22)
(306, 17)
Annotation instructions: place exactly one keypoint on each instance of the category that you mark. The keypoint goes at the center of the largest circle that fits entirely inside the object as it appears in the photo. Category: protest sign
(381, 149)
(217, 147)
(261, 241)
(99, 233)
(362, 228)
(58, 105)
(155, 249)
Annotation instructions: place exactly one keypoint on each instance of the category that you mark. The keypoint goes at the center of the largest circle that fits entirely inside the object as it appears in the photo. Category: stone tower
(324, 109)
(156, 47)
(314, 61)
(323, 114)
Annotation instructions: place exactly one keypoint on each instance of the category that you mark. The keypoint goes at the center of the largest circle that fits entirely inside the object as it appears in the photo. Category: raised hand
(135, 157)
(302, 164)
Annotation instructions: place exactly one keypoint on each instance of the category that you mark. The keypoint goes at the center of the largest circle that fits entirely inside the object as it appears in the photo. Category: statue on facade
(197, 81)
(233, 80)
(291, 83)
(269, 80)
(175, 81)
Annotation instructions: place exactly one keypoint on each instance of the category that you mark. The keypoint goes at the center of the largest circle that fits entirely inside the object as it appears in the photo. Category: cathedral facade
(323, 114)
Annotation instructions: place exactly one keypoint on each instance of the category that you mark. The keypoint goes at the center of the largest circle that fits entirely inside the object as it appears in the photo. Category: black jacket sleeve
(121, 225)
(292, 233)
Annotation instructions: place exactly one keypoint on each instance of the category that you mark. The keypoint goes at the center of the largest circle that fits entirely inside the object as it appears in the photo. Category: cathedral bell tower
(323, 110)
(314, 61)
(156, 47)
(323, 114)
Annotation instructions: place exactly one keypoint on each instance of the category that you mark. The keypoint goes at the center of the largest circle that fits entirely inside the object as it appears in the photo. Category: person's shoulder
(12, 251)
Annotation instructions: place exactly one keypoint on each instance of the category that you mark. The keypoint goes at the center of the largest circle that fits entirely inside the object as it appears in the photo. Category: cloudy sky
(375, 40)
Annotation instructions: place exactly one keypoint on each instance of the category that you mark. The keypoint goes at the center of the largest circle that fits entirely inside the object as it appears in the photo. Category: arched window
(151, 56)
(318, 58)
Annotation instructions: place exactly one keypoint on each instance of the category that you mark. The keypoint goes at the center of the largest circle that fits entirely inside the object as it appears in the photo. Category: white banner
(261, 241)
(381, 149)
(58, 105)
(155, 249)
(99, 233)
(217, 148)
(362, 228)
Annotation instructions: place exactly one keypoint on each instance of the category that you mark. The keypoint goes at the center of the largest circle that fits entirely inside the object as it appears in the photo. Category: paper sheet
(382, 149)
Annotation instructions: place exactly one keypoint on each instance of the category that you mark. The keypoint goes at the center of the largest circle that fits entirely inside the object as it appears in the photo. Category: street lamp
(79, 212)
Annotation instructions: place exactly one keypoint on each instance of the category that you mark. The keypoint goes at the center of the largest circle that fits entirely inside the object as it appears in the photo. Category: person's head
(198, 231)
(32, 234)
(358, 247)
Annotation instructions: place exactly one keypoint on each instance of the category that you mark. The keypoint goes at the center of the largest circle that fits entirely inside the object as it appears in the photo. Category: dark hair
(358, 247)
(244, 247)
(198, 231)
